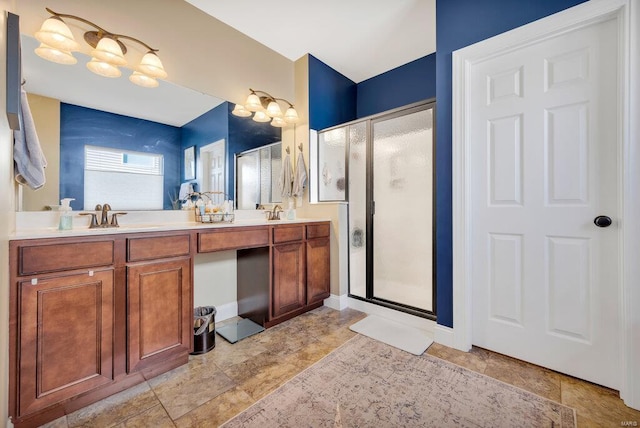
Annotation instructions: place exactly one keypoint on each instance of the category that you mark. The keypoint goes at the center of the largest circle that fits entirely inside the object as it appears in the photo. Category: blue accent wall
(460, 23)
(80, 126)
(240, 134)
(203, 130)
(407, 84)
(332, 96)
(246, 134)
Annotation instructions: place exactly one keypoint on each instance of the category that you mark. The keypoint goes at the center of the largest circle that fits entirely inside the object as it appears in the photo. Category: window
(126, 180)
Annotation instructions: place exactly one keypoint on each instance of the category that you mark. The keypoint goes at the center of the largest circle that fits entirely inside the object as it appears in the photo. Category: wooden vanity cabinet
(91, 316)
(288, 283)
(159, 301)
(66, 336)
(300, 269)
(62, 328)
(318, 270)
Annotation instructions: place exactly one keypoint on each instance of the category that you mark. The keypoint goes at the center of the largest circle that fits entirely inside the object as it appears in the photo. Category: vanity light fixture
(57, 43)
(265, 108)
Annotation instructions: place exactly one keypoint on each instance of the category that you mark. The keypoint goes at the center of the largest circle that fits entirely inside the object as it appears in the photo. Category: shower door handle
(373, 207)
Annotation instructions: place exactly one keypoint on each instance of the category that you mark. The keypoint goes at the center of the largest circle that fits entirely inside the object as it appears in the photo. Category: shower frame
(370, 206)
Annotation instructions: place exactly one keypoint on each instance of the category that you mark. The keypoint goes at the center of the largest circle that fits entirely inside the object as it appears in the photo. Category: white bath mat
(393, 333)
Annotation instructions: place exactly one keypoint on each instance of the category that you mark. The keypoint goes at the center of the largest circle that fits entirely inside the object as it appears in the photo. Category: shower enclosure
(388, 159)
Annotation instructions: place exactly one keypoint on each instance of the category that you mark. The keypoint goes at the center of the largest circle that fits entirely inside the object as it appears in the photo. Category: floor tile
(181, 391)
(597, 404)
(216, 411)
(536, 379)
(215, 386)
(58, 423)
(115, 409)
(475, 360)
(156, 417)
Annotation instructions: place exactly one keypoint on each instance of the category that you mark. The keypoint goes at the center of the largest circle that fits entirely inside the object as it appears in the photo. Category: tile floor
(215, 386)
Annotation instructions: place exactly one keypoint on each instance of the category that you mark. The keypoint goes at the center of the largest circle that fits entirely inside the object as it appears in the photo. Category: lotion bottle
(66, 218)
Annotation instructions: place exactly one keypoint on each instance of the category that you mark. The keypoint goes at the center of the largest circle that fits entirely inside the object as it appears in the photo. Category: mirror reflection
(258, 171)
(108, 140)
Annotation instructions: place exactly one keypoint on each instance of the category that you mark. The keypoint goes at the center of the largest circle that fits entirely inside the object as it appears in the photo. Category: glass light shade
(55, 55)
(142, 79)
(261, 116)
(103, 68)
(55, 33)
(273, 109)
(240, 111)
(253, 103)
(278, 122)
(109, 51)
(152, 66)
(291, 115)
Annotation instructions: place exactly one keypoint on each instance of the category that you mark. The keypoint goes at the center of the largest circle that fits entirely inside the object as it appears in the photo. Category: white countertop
(35, 225)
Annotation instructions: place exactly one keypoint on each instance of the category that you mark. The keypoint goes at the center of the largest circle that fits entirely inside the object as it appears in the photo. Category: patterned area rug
(365, 383)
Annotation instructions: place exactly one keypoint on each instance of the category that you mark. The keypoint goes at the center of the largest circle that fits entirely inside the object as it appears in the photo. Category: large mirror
(109, 141)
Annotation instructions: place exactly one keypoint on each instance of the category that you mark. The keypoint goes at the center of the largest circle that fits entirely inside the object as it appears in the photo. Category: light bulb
(103, 68)
(261, 116)
(108, 50)
(240, 111)
(143, 80)
(291, 115)
(152, 66)
(273, 109)
(253, 103)
(55, 33)
(55, 55)
(278, 122)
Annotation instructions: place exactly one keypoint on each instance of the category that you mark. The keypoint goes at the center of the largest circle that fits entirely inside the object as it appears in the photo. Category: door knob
(602, 221)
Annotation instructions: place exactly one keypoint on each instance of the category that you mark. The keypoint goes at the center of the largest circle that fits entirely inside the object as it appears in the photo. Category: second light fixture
(265, 108)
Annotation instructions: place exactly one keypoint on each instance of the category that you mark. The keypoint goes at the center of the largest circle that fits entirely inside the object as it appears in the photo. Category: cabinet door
(66, 337)
(288, 278)
(159, 317)
(318, 270)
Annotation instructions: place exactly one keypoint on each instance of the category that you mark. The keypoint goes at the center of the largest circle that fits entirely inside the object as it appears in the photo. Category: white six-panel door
(543, 165)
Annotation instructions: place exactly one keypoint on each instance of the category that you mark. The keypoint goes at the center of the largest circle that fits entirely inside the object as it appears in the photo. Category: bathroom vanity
(95, 313)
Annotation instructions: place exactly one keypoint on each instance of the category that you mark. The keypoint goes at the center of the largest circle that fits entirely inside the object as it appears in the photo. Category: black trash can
(204, 329)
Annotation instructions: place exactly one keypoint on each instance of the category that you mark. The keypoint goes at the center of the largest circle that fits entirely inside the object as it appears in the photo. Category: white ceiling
(358, 38)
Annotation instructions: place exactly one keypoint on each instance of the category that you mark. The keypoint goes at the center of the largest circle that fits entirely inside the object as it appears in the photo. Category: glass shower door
(402, 208)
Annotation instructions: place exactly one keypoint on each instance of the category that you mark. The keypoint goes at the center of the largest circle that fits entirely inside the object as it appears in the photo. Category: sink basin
(137, 226)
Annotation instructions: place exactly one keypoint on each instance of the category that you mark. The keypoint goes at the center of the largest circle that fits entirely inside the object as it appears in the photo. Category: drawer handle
(34, 281)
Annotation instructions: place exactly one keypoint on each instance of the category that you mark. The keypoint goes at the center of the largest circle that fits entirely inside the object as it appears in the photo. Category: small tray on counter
(215, 217)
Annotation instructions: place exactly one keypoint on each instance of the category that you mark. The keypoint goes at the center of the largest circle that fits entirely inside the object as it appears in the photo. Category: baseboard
(401, 317)
(443, 335)
(337, 302)
(226, 311)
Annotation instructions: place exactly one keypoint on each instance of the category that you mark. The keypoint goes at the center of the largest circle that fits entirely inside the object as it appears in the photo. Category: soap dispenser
(66, 218)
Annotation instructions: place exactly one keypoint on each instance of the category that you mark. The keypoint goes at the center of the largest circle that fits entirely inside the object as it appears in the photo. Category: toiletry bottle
(66, 218)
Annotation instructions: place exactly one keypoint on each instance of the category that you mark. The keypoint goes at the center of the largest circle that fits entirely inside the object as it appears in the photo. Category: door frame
(209, 148)
(583, 15)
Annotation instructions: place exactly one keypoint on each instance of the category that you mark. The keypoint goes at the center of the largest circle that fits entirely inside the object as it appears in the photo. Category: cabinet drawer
(232, 239)
(318, 230)
(157, 247)
(287, 234)
(59, 257)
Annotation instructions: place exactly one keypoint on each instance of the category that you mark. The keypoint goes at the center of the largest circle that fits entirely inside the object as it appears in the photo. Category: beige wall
(7, 217)
(46, 113)
(335, 212)
(197, 50)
